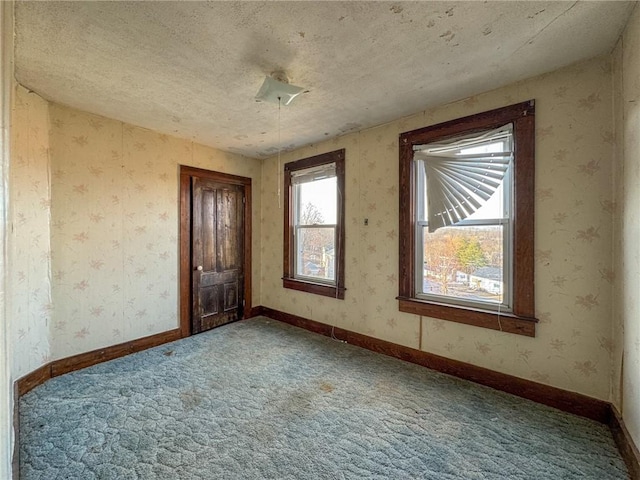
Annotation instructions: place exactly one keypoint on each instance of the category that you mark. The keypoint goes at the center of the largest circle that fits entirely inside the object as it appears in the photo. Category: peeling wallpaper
(626, 372)
(29, 303)
(574, 228)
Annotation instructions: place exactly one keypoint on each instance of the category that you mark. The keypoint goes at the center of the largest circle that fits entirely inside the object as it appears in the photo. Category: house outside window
(314, 225)
(463, 212)
(466, 220)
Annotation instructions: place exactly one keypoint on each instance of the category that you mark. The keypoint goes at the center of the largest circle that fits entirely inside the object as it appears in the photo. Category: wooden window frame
(288, 278)
(521, 320)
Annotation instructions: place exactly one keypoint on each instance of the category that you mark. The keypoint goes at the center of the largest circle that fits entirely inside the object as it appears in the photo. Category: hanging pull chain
(279, 150)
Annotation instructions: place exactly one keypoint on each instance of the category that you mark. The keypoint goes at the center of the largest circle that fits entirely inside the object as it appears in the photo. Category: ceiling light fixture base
(276, 89)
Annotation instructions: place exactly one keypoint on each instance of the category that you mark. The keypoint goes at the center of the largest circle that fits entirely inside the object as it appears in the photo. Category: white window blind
(460, 177)
(313, 174)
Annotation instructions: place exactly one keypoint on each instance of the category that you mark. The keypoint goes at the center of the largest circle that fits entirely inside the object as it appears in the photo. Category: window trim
(288, 279)
(521, 320)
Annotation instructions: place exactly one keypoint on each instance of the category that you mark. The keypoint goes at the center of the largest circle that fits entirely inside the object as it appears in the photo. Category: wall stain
(448, 36)
(350, 126)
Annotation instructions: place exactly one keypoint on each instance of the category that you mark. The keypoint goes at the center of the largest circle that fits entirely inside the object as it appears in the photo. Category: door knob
(199, 268)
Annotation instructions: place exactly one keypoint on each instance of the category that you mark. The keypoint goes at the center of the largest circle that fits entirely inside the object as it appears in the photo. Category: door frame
(186, 174)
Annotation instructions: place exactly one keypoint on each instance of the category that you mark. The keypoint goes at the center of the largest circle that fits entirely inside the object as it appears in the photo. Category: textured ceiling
(192, 69)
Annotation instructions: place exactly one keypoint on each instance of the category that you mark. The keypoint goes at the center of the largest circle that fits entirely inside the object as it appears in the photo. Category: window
(314, 225)
(463, 212)
(466, 220)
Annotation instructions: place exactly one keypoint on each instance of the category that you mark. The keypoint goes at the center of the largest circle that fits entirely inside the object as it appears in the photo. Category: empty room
(320, 240)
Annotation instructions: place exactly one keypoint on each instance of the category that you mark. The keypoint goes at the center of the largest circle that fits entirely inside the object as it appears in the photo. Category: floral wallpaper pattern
(115, 228)
(626, 320)
(94, 246)
(574, 227)
(95, 215)
(29, 285)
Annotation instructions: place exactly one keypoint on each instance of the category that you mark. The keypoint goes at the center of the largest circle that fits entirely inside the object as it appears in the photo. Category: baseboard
(83, 360)
(570, 402)
(33, 379)
(625, 443)
(555, 397)
(15, 458)
(255, 312)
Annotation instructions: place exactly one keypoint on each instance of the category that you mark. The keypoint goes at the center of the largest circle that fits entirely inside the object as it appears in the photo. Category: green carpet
(261, 399)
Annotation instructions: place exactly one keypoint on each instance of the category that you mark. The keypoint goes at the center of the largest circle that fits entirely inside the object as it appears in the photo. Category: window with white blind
(466, 220)
(314, 223)
(463, 212)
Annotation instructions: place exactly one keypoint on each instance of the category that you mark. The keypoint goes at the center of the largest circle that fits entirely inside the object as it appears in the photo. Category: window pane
(317, 202)
(315, 255)
(465, 263)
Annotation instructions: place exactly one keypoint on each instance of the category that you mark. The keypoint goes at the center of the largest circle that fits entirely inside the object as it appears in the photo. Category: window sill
(315, 288)
(504, 322)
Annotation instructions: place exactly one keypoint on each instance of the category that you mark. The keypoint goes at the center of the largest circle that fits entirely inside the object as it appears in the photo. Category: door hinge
(244, 200)
(243, 302)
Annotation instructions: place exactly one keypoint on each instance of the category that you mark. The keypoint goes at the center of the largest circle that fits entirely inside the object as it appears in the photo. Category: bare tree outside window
(314, 224)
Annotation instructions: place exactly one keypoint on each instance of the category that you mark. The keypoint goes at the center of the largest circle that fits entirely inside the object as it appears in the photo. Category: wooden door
(217, 246)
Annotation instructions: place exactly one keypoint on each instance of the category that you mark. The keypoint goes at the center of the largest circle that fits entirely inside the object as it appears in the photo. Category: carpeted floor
(260, 399)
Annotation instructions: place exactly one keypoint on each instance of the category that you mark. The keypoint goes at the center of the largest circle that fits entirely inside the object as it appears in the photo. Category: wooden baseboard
(255, 312)
(15, 458)
(625, 443)
(83, 360)
(571, 402)
(33, 379)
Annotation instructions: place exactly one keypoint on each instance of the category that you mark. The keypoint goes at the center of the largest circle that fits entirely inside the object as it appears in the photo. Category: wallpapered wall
(626, 374)
(29, 242)
(574, 210)
(95, 222)
(115, 228)
(109, 272)
(93, 247)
